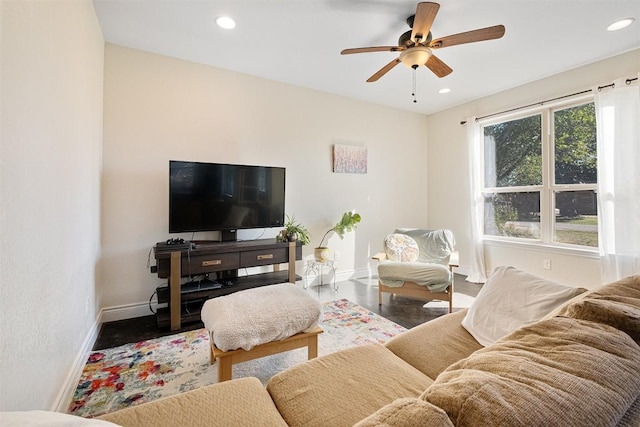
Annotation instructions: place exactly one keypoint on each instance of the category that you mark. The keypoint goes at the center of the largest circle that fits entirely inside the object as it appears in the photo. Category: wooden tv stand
(224, 259)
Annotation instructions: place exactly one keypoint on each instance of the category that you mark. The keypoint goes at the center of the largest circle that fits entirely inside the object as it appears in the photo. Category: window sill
(543, 247)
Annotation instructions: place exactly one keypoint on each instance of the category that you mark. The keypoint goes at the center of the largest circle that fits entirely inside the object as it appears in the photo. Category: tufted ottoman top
(257, 316)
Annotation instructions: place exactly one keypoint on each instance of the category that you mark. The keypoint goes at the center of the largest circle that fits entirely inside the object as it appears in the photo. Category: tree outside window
(541, 186)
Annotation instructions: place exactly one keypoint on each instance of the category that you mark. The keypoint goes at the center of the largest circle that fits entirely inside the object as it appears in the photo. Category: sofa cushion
(626, 290)
(616, 304)
(560, 371)
(407, 412)
(241, 402)
(434, 345)
(511, 299)
(621, 316)
(342, 388)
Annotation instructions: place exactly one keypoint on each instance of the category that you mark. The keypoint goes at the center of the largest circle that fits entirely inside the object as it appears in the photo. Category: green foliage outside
(575, 145)
(513, 157)
(517, 146)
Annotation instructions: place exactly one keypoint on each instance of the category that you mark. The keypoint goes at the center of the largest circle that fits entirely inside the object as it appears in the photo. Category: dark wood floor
(404, 311)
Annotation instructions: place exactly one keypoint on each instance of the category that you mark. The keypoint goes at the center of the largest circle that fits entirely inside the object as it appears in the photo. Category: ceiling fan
(416, 45)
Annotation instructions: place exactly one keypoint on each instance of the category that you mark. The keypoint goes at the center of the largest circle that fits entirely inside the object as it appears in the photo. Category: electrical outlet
(546, 264)
(336, 256)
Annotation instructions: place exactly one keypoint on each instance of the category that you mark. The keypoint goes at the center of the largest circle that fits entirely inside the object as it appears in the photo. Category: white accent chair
(418, 263)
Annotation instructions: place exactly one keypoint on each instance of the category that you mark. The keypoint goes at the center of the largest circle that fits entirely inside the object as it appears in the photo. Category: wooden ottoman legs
(226, 359)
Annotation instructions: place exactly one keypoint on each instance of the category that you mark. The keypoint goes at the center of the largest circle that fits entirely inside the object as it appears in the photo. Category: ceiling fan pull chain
(413, 87)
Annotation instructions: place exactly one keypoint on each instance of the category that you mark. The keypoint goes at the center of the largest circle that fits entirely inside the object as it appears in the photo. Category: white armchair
(418, 263)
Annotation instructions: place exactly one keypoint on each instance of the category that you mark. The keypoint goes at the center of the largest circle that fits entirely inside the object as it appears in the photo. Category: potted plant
(348, 222)
(293, 231)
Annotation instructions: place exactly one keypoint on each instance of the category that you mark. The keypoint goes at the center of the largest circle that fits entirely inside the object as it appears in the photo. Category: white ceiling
(299, 41)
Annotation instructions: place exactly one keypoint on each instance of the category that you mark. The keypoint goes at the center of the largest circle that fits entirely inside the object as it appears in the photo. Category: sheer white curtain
(618, 123)
(477, 269)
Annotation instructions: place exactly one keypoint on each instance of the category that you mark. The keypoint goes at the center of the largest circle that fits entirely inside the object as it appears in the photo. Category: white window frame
(548, 188)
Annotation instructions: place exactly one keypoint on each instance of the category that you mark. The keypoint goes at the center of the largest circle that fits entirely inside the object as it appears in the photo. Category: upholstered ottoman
(259, 322)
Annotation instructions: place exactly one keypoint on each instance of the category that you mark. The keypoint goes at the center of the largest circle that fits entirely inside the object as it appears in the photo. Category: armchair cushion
(436, 277)
(400, 247)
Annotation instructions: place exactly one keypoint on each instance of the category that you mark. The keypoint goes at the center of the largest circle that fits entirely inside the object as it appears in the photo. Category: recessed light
(225, 22)
(444, 90)
(618, 25)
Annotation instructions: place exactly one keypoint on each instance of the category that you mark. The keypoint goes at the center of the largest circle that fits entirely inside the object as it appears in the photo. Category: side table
(317, 267)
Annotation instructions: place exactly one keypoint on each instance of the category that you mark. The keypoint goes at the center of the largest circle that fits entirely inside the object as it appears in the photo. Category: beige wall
(50, 153)
(448, 204)
(158, 108)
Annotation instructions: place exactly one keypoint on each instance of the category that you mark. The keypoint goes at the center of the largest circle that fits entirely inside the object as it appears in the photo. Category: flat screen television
(224, 197)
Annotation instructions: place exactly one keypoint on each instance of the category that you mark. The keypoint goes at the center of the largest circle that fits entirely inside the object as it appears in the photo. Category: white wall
(448, 204)
(50, 154)
(159, 108)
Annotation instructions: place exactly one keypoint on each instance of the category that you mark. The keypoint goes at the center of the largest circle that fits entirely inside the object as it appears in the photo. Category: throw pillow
(510, 299)
(400, 247)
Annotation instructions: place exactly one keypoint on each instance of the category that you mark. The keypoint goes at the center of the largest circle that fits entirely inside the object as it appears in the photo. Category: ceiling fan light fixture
(415, 56)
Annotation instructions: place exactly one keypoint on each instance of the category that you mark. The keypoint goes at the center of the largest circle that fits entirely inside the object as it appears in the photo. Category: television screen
(220, 197)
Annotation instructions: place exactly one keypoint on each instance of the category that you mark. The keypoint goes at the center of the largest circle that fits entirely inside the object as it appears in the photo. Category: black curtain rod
(627, 81)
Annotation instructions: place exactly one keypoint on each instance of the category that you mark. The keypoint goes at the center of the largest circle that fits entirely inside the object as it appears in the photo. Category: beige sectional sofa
(551, 356)
(578, 365)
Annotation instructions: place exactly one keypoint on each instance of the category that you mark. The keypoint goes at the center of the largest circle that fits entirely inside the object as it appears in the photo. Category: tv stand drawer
(263, 257)
(209, 263)
(192, 263)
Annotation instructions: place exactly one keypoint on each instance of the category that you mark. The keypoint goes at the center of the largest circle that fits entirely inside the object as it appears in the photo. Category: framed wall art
(349, 159)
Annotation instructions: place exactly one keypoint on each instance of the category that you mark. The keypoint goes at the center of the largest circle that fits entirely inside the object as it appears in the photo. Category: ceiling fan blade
(384, 70)
(425, 15)
(488, 33)
(438, 67)
(372, 49)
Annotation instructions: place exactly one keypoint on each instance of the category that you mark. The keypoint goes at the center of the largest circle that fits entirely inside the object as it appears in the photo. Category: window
(540, 187)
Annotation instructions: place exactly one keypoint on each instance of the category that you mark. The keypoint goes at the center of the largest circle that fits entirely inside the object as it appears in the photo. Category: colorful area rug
(131, 374)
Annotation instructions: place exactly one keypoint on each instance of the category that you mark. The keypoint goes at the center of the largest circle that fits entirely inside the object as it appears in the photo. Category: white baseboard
(128, 311)
(63, 399)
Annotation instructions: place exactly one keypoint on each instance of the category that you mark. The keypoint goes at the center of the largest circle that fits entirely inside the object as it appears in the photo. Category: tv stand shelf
(222, 259)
